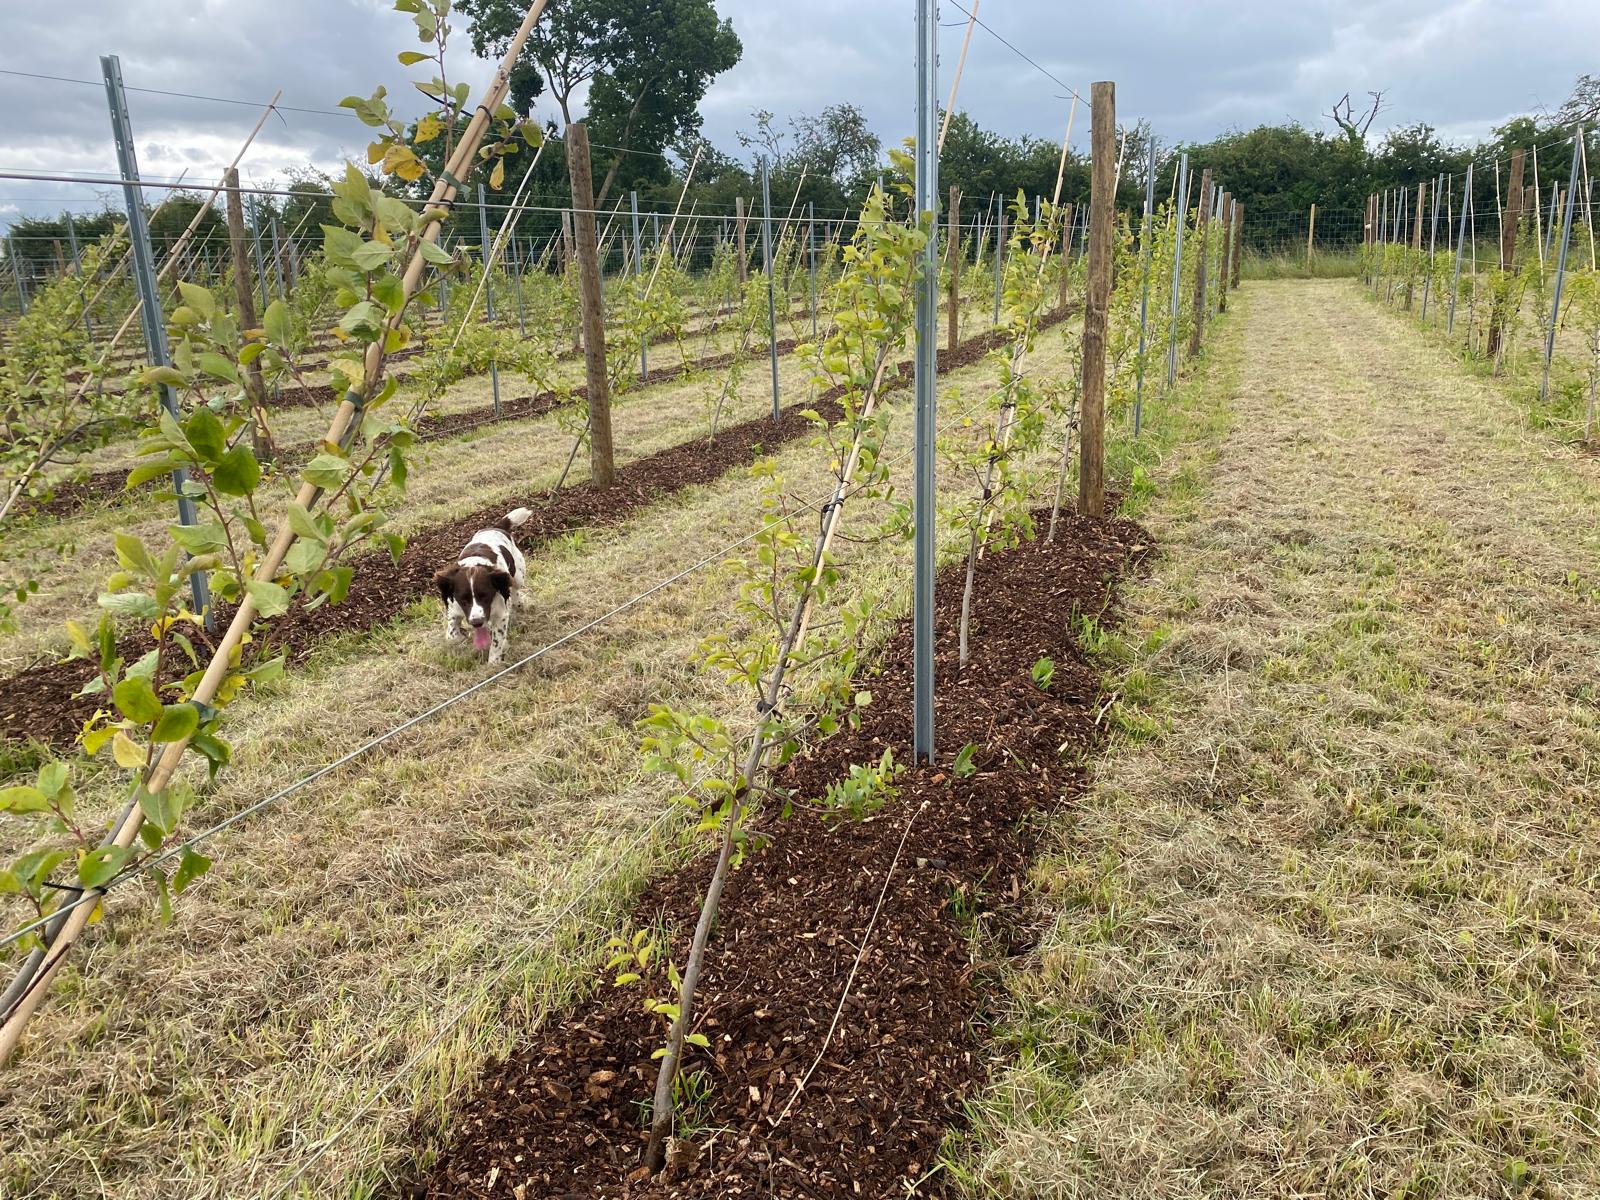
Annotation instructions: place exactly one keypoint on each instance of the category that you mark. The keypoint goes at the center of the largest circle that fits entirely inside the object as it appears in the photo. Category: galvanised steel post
(772, 300)
(488, 286)
(150, 314)
(1561, 265)
(811, 237)
(1461, 245)
(277, 262)
(926, 378)
(1182, 212)
(638, 269)
(1433, 240)
(1144, 294)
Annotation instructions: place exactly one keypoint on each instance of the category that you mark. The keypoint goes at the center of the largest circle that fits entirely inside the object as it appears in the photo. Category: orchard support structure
(1181, 213)
(602, 466)
(1144, 286)
(1201, 226)
(244, 295)
(926, 371)
(150, 313)
(1561, 263)
(952, 331)
(488, 288)
(1097, 299)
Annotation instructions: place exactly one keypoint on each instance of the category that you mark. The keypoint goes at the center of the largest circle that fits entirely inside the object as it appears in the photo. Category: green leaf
(213, 749)
(371, 256)
(270, 599)
(99, 866)
(410, 58)
(325, 471)
(146, 471)
(133, 556)
(53, 776)
(433, 253)
(159, 810)
(277, 325)
(200, 539)
(218, 366)
(165, 377)
(177, 722)
(22, 800)
(237, 473)
(198, 298)
(365, 319)
(191, 865)
(137, 700)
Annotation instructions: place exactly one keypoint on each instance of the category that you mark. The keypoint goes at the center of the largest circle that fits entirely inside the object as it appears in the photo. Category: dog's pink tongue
(480, 638)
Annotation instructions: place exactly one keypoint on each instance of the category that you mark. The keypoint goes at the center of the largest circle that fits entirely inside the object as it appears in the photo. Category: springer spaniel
(480, 589)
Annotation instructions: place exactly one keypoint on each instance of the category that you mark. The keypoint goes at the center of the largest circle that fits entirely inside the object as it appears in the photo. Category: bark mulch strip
(563, 1116)
(41, 703)
(68, 497)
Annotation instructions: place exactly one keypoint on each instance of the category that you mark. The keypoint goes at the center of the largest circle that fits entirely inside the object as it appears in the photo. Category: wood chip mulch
(563, 1117)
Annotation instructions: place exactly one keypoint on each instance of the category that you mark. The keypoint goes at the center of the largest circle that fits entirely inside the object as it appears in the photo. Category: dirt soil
(562, 1117)
(41, 702)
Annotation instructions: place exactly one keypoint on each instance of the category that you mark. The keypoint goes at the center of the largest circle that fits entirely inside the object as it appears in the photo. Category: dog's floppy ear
(444, 580)
(502, 582)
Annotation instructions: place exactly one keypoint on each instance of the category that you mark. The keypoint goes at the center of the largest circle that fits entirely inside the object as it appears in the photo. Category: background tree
(646, 64)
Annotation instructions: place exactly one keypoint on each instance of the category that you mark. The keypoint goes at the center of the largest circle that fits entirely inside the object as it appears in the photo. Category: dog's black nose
(477, 622)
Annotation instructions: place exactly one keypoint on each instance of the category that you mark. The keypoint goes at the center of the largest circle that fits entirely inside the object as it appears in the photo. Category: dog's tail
(513, 518)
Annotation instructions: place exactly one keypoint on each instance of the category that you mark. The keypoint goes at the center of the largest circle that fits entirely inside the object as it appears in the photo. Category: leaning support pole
(61, 938)
(1097, 300)
(1433, 243)
(1181, 212)
(1144, 287)
(1461, 246)
(487, 260)
(1202, 253)
(926, 369)
(1561, 264)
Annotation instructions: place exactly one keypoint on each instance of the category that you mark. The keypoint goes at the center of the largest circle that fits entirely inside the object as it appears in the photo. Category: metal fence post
(811, 238)
(150, 314)
(1461, 245)
(277, 262)
(488, 289)
(1181, 209)
(926, 377)
(1561, 265)
(77, 262)
(772, 300)
(638, 269)
(1144, 294)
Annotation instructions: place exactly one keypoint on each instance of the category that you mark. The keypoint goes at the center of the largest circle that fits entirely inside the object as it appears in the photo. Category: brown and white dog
(481, 588)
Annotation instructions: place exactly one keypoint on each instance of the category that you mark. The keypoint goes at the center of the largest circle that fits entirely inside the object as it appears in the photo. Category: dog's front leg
(452, 624)
(498, 637)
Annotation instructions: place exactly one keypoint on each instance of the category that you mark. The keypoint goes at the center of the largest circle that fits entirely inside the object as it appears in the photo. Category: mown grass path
(1327, 924)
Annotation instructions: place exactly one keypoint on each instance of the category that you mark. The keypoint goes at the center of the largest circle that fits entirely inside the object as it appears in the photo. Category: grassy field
(1326, 923)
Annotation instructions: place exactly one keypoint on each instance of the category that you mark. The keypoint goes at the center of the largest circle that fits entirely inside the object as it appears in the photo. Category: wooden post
(245, 293)
(1510, 219)
(953, 303)
(1066, 255)
(1311, 234)
(1225, 259)
(601, 467)
(1202, 253)
(738, 236)
(1097, 299)
(1238, 233)
(1416, 241)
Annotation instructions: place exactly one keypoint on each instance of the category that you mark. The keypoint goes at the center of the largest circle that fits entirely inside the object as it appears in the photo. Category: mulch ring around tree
(42, 702)
(564, 1116)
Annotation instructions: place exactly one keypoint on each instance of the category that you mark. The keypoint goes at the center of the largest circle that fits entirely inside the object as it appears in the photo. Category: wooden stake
(602, 468)
(1238, 233)
(245, 294)
(1202, 254)
(1225, 216)
(1311, 234)
(1097, 299)
(953, 304)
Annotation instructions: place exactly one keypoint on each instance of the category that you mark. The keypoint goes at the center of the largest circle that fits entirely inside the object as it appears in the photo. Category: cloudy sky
(1191, 68)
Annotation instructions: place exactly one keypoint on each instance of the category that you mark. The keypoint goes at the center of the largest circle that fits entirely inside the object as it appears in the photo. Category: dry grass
(209, 1057)
(1326, 923)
